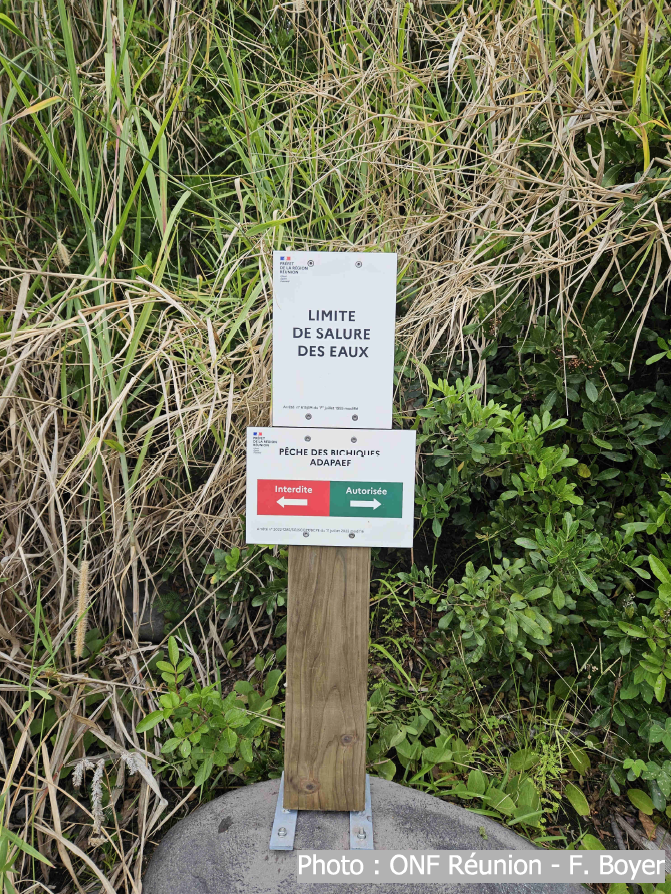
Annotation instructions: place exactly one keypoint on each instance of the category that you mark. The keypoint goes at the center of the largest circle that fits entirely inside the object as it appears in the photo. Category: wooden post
(327, 661)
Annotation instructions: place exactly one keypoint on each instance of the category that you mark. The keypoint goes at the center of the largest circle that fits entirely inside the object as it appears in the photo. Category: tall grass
(150, 160)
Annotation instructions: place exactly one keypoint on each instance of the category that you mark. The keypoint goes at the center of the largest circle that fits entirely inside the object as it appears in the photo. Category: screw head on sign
(355, 417)
(311, 263)
(351, 536)
(282, 832)
(306, 533)
(354, 440)
(358, 264)
(308, 415)
(361, 834)
(308, 438)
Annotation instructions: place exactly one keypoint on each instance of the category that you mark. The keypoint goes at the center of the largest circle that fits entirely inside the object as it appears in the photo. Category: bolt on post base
(284, 824)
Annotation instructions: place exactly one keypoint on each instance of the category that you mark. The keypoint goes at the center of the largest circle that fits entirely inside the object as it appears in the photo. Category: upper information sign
(330, 487)
(333, 339)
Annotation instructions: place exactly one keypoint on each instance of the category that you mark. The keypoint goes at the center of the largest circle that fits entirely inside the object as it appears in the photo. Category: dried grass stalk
(82, 609)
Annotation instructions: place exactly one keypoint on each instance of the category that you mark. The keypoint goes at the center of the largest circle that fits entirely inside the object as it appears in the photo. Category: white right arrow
(365, 503)
(284, 502)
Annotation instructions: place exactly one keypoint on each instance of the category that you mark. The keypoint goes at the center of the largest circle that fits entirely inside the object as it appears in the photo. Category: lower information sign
(330, 487)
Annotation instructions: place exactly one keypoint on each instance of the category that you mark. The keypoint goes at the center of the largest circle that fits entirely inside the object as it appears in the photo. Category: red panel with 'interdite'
(293, 497)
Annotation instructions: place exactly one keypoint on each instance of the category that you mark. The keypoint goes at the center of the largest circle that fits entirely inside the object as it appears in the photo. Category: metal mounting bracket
(284, 824)
(361, 825)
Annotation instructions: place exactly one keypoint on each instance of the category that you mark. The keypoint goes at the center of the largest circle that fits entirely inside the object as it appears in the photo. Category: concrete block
(222, 847)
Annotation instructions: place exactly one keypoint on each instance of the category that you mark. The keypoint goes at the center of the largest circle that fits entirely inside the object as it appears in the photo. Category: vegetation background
(152, 156)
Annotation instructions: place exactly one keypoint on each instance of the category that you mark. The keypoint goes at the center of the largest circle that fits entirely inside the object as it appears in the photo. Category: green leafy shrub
(210, 730)
(257, 575)
(551, 562)
(409, 742)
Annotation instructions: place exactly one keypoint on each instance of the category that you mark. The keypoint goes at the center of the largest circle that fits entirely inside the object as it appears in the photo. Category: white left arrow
(365, 503)
(284, 502)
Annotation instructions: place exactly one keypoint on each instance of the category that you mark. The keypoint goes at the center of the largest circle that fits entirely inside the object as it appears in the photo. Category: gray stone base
(222, 847)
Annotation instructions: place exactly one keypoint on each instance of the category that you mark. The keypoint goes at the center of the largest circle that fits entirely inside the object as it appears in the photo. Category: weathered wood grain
(327, 661)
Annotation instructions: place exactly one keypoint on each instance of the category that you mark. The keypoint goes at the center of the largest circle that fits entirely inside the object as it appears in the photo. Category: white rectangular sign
(333, 338)
(330, 487)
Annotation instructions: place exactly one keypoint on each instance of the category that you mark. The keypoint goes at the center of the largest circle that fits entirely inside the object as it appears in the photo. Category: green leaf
(591, 391)
(25, 847)
(631, 629)
(477, 782)
(399, 736)
(528, 817)
(272, 683)
(656, 733)
(204, 770)
(607, 475)
(511, 627)
(664, 782)
(591, 843)
(430, 755)
(10, 26)
(173, 650)
(115, 445)
(228, 741)
(587, 581)
(655, 358)
(246, 750)
(500, 801)
(529, 625)
(386, 769)
(579, 759)
(640, 800)
(149, 722)
(558, 597)
(522, 760)
(660, 687)
(164, 666)
(526, 543)
(577, 799)
(528, 797)
(659, 570)
(236, 717)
